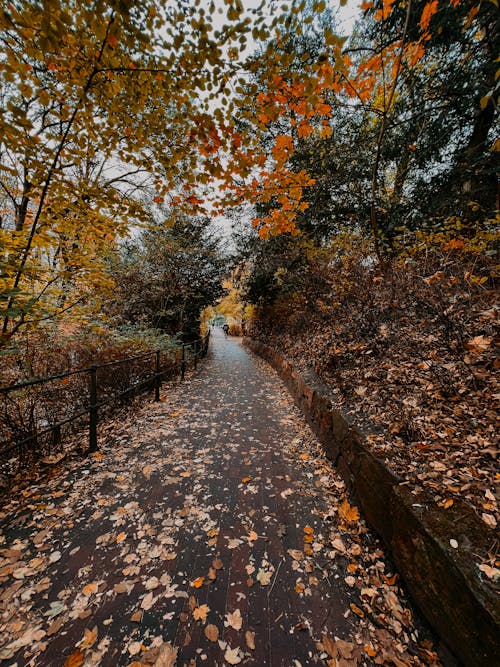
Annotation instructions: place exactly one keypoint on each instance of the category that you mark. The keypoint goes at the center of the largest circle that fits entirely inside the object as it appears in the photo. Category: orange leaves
(323, 109)
(384, 13)
(283, 147)
(308, 539)
(90, 589)
(112, 40)
(200, 613)
(428, 12)
(304, 130)
(75, 659)
(348, 512)
(198, 583)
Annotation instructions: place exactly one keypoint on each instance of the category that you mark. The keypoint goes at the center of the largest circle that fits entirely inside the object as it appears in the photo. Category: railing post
(183, 362)
(195, 350)
(157, 376)
(93, 414)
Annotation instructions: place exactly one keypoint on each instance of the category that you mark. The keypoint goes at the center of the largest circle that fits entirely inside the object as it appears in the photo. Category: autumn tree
(101, 102)
(383, 109)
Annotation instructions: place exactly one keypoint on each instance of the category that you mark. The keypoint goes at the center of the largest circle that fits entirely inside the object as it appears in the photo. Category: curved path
(211, 530)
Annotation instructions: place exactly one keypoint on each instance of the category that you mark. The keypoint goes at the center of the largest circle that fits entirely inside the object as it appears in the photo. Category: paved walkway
(212, 531)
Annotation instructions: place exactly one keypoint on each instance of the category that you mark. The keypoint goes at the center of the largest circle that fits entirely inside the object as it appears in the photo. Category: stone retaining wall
(445, 582)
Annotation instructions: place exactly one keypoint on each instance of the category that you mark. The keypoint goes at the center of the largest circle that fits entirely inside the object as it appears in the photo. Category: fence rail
(94, 393)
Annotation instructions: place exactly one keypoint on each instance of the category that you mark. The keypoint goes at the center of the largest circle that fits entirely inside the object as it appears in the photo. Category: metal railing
(151, 368)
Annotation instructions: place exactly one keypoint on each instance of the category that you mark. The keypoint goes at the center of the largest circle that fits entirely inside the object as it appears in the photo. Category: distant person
(225, 329)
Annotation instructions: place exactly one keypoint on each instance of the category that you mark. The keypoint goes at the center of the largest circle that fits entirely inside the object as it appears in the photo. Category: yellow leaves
(245, 480)
(198, 583)
(325, 132)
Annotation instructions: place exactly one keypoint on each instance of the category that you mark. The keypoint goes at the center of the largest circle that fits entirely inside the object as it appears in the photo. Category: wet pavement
(210, 529)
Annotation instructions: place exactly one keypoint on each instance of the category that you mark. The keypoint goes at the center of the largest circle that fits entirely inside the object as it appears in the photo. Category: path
(213, 527)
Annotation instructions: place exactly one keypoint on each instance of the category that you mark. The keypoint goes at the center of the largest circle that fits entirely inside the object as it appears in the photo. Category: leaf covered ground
(211, 530)
(411, 359)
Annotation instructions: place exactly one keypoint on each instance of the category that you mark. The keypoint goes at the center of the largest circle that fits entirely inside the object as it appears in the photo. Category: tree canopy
(111, 110)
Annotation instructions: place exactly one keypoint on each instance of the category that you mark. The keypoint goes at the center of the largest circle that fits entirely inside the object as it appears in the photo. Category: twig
(275, 577)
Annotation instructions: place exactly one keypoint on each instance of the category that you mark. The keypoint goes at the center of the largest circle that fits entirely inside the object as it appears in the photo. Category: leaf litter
(116, 545)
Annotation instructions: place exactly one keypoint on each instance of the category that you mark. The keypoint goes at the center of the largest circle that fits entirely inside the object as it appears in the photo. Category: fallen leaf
(198, 583)
(148, 601)
(212, 633)
(134, 648)
(167, 656)
(234, 620)
(250, 639)
(359, 612)
(90, 589)
(146, 471)
(75, 659)
(151, 584)
(200, 613)
(478, 343)
(489, 520)
(232, 656)
(491, 572)
(348, 512)
(89, 637)
(264, 577)
(121, 537)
